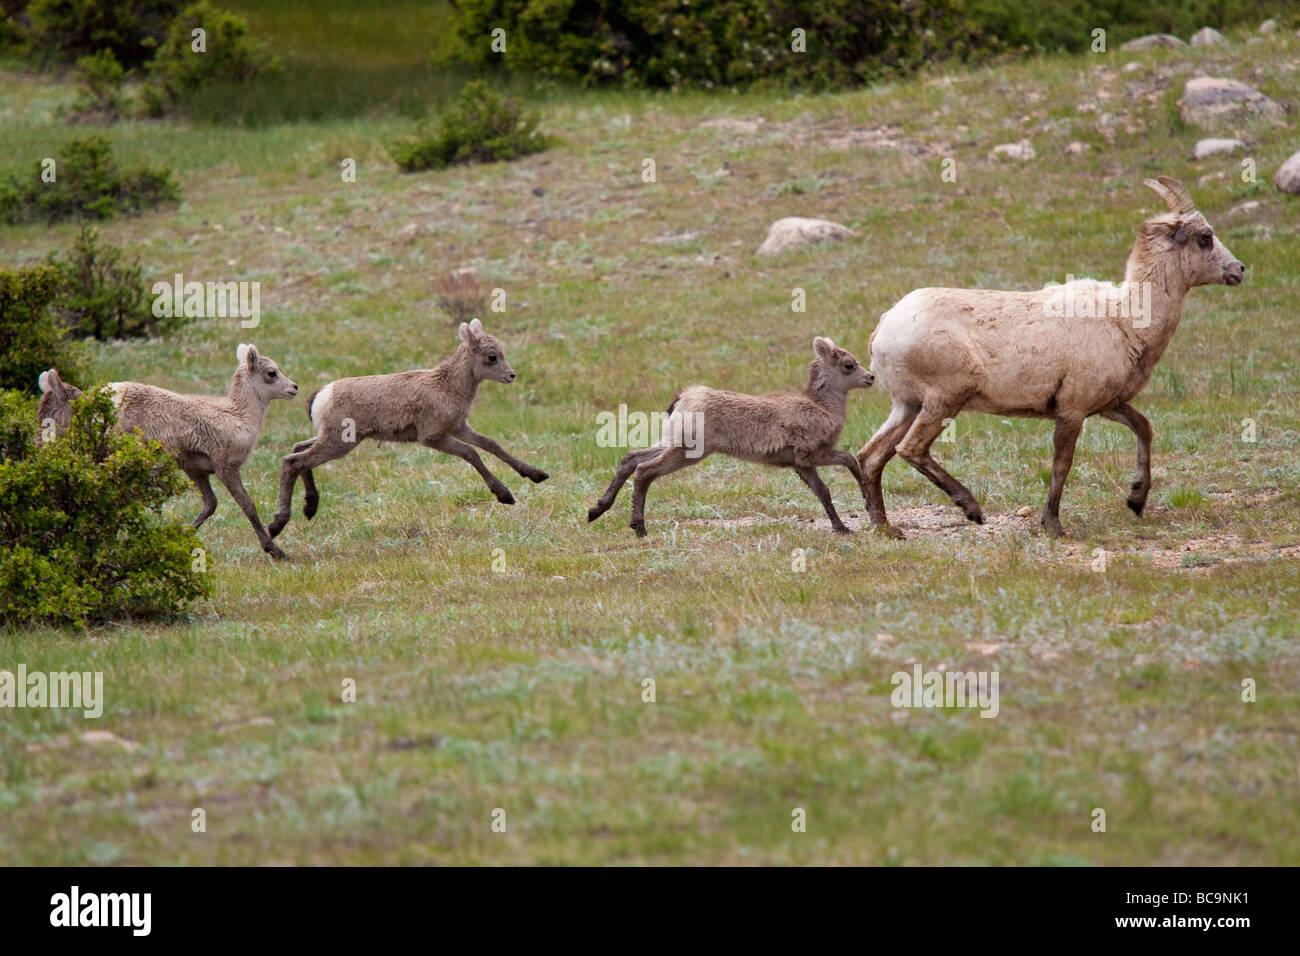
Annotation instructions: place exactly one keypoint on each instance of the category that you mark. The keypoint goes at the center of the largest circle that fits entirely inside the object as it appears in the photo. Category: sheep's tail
(676, 398)
(869, 341)
(310, 402)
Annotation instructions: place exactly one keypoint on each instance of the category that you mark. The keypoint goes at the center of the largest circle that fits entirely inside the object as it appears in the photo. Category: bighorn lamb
(428, 405)
(785, 430)
(1063, 352)
(208, 434)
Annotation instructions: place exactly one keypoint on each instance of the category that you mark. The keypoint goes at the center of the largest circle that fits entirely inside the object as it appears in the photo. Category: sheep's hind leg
(915, 450)
(468, 435)
(204, 485)
(235, 485)
(873, 457)
(305, 456)
(624, 471)
(814, 481)
(451, 446)
(672, 460)
(1063, 439)
(1137, 422)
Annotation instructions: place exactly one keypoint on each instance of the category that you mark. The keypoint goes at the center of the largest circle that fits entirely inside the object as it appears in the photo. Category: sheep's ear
(823, 348)
(247, 354)
(50, 382)
(469, 333)
(476, 326)
(464, 332)
(1182, 232)
(44, 381)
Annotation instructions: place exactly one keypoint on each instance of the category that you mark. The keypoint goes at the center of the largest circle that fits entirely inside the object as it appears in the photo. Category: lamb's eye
(491, 359)
(849, 367)
(1206, 241)
(271, 374)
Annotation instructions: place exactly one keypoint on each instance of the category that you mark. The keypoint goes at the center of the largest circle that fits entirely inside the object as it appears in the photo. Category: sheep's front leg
(235, 485)
(451, 446)
(209, 497)
(814, 481)
(468, 435)
(1063, 440)
(1137, 422)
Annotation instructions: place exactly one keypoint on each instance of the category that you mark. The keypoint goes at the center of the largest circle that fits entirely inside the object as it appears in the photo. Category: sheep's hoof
(309, 510)
(840, 529)
(273, 549)
(1052, 526)
(538, 477)
(977, 516)
(1136, 506)
(639, 528)
(889, 531)
(276, 526)
(594, 513)
(505, 497)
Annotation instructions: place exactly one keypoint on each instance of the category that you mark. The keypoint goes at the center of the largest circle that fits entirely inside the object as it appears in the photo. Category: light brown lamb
(1064, 352)
(784, 430)
(208, 434)
(427, 405)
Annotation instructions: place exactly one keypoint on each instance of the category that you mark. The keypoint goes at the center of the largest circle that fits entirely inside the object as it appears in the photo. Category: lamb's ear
(476, 326)
(50, 382)
(247, 354)
(823, 348)
(469, 333)
(44, 381)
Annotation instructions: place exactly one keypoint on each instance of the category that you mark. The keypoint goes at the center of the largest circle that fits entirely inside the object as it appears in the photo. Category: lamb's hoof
(840, 529)
(538, 477)
(889, 531)
(1052, 526)
(1136, 506)
(273, 549)
(505, 497)
(639, 528)
(977, 516)
(276, 526)
(594, 513)
(309, 510)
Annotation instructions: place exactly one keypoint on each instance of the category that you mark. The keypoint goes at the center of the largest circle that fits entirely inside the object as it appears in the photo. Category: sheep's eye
(1206, 240)
(271, 374)
(491, 359)
(848, 367)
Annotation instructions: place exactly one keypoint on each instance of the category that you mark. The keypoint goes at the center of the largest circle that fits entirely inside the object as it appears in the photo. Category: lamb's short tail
(676, 398)
(311, 400)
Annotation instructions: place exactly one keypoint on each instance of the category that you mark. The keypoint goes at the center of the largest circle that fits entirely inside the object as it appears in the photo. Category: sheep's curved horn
(1172, 192)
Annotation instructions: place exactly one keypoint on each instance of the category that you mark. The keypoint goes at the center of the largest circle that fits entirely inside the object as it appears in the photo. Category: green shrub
(17, 425)
(100, 295)
(100, 78)
(88, 184)
(69, 29)
(30, 337)
(82, 535)
(229, 53)
(479, 127)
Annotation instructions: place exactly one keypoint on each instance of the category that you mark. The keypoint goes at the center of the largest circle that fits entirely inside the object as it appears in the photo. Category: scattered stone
(1268, 26)
(1152, 41)
(1025, 512)
(1287, 177)
(98, 738)
(1132, 67)
(981, 647)
(1248, 206)
(1076, 148)
(408, 232)
(1021, 152)
(1214, 147)
(1208, 36)
(1207, 100)
(539, 191)
(795, 231)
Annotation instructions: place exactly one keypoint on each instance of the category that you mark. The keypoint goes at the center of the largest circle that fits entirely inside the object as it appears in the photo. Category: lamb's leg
(814, 481)
(235, 485)
(445, 443)
(311, 498)
(305, 456)
(873, 457)
(468, 435)
(201, 482)
(1137, 422)
(915, 450)
(624, 471)
(1063, 439)
(671, 460)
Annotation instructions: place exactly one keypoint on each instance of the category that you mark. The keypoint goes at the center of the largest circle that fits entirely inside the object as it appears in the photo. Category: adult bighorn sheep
(428, 405)
(795, 430)
(208, 434)
(1063, 352)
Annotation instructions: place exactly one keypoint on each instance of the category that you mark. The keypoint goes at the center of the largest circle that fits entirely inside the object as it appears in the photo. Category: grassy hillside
(521, 688)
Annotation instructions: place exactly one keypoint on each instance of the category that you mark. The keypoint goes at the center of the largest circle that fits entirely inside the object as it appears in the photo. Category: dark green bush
(100, 78)
(100, 295)
(17, 425)
(229, 53)
(88, 184)
(479, 127)
(30, 337)
(82, 535)
(69, 29)
(708, 43)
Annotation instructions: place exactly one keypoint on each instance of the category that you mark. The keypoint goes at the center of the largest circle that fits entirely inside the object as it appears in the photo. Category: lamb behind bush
(785, 430)
(208, 434)
(941, 351)
(428, 405)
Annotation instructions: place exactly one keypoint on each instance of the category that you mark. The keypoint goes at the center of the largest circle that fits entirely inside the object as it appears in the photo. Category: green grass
(521, 689)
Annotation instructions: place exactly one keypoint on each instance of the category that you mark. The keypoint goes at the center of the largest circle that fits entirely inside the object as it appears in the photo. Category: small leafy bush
(82, 534)
(99, 295)
(30, 337)
(479, 127)
(100, 79)
(88, 184)
(228, 53)
(66, 30)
